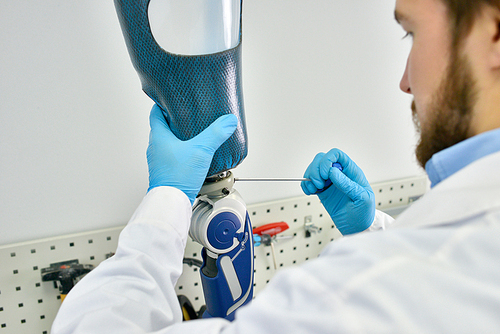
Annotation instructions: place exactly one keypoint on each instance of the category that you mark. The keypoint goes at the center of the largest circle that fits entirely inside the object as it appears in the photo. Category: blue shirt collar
(456, 157)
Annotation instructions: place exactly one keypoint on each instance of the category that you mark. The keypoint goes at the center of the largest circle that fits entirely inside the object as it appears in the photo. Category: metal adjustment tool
(265, 179)
(328, 183)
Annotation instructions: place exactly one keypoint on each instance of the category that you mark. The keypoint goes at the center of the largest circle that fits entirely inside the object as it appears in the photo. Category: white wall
(74, 121)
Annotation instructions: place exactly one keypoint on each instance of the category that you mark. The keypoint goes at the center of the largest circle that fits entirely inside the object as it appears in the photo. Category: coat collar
(449, 161)
(472, 191)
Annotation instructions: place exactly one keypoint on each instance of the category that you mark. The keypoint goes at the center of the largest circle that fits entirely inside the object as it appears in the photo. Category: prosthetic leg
(193, 89)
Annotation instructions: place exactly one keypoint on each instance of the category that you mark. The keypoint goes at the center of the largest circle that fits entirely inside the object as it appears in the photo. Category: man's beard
(450, 111)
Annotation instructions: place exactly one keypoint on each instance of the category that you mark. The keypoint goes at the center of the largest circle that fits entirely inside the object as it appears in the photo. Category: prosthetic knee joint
(220, 223)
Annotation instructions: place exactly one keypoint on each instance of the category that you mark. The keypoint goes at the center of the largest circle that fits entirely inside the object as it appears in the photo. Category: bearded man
(435, 269)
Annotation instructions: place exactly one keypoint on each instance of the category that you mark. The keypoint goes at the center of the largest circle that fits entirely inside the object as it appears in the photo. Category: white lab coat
(437, 270)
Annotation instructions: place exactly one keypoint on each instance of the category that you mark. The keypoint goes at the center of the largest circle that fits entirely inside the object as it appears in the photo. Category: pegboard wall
(28, 305)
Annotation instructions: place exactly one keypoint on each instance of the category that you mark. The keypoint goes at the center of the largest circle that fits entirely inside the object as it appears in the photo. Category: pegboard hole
(1, 309)
(108, 238)
(16, 271)
(20, 304)
(42, 317)
(33, 251)
(23, 321)
(52, 247)
(18, 288)
(37, 285)
(92, 258)
(4, 325)
(12, 254)
(71, 244)
(91, 241)
(35, 268)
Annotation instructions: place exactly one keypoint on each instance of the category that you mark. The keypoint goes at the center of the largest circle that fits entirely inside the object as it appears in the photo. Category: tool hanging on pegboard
(267, 234)
(66, 273)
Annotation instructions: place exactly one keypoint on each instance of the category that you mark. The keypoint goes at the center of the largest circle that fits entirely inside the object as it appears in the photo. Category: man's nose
(404, 85)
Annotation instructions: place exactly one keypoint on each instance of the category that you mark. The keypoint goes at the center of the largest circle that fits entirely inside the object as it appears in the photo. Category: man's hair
(462, 15)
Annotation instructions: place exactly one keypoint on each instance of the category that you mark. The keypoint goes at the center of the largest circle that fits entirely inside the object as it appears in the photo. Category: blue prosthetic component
(228, 280)
(193, 91)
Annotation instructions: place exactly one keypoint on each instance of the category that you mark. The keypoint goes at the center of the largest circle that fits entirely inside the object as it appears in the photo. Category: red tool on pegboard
(264, 235)
(271, 229)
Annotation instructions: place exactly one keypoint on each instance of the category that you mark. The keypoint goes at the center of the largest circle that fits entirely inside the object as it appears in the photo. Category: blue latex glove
(350, 200)
(184, 164)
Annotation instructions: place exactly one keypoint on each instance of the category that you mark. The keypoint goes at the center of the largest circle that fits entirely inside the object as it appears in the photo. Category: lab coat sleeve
(133, 291)
(381, 222)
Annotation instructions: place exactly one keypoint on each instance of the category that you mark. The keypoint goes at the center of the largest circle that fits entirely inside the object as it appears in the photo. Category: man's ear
(495, 38)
